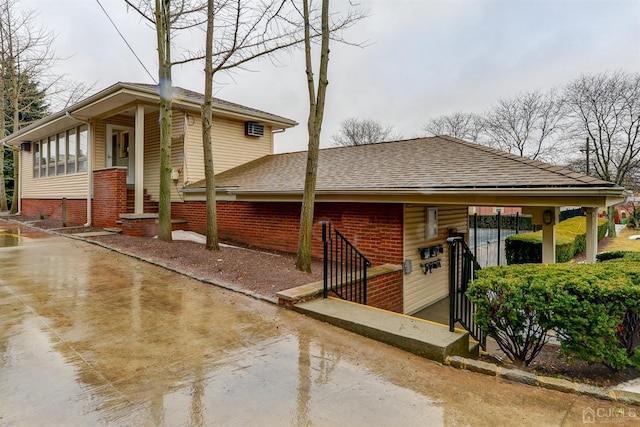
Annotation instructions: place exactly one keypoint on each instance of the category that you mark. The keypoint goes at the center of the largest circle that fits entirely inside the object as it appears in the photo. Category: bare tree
(460, 125)
(606, 109)
(316, 115)
(26, 56)
(245, 32)
(167, 18)
(526, 124)
(361, 132)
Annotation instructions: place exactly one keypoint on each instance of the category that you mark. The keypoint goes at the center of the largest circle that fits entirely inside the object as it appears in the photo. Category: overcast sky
(424, 58)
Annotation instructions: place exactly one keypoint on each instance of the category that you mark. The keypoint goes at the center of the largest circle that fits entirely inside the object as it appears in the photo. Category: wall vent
(253, 129)
(25, 146)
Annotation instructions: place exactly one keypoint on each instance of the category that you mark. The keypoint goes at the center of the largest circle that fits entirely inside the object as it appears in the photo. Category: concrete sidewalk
(91, 337)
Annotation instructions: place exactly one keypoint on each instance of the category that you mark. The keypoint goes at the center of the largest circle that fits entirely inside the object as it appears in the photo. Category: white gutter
(89, 164)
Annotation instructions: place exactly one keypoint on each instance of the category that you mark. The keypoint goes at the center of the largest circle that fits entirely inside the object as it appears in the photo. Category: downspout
(89, 164)
(19, 211)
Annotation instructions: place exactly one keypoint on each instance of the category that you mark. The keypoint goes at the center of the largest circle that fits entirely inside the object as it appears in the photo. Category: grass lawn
(623, 243)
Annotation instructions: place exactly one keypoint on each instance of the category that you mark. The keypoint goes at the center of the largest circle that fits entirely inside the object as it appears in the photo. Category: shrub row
(571, 238)
(593, 309)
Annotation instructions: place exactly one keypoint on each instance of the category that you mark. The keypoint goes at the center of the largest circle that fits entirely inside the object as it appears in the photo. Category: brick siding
(375, 229)
(52, 209)
(109, 196)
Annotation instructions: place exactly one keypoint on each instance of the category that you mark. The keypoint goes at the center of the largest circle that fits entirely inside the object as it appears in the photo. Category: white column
(592, 234)
(549, 244)
(139, 160)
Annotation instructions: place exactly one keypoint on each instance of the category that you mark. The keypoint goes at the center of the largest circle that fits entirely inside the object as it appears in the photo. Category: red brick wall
(140, 227)
(375, 229)
(52, 209)
(109, 196)
(385, 292)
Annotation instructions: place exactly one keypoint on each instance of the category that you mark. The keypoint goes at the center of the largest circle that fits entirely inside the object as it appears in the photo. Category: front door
(120, 149)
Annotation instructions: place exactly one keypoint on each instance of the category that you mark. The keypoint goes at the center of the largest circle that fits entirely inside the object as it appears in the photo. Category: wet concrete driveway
(90, 337)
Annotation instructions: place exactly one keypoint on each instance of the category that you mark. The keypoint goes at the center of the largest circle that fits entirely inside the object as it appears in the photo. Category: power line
(126, 42)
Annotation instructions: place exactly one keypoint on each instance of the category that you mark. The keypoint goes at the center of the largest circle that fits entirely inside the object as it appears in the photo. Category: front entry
(120, 149)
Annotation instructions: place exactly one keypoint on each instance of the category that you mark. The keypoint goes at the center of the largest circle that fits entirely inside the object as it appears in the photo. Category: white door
(120, 149)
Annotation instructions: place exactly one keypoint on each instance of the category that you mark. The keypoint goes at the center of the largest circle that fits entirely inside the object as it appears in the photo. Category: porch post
(592, 234)
(139, 160)
(550, 217)
(549, 244)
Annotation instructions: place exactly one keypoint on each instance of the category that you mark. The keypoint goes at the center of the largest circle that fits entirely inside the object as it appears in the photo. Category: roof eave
(597, 197)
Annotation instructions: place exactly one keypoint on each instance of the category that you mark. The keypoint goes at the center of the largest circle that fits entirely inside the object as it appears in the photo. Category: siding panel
(231, 147)
(422, 289)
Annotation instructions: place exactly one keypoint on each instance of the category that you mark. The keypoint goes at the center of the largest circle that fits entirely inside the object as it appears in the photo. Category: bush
(571, 238)
(511, 310)
(593, 308)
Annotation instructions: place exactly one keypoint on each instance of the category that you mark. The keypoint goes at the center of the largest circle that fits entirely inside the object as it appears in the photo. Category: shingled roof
(423, 165)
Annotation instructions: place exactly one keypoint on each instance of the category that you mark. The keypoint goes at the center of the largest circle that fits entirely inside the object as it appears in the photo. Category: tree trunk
(15, 95)
(314, 127)
(16, 180)
(611, 232)
(166, 125)
(3, 191)
(207, 120)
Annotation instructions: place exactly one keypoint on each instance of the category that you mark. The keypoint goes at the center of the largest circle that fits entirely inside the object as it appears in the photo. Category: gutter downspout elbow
(89, 164)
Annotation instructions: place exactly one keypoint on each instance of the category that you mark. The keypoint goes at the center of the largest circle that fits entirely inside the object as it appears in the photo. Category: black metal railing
(345, 268)
(462, 270)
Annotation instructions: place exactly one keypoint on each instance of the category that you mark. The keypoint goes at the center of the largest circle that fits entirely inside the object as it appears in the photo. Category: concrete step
(421, 337)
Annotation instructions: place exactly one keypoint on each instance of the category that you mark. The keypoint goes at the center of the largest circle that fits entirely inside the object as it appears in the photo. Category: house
(394, 200)
(101, 156)
(397, 202)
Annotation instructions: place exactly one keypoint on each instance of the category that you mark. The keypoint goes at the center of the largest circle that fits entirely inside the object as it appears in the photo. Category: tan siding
(121, 120)
(177, 153)
(99, 146)
(152, 155)
(193, 169)
(422, 289)
(231, 147)
(72, 186)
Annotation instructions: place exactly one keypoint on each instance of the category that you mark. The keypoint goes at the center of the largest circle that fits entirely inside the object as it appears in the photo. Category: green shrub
(593, 308)
(512, 311)
(571, 238)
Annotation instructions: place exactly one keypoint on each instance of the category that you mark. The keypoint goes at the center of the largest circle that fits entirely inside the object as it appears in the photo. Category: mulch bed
(551, 363)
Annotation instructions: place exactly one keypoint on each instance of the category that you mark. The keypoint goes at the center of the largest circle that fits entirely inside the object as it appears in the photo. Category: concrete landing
(420, 337)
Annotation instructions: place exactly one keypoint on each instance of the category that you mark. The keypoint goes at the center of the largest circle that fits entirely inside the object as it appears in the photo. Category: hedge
(593, 308)
(571, 238)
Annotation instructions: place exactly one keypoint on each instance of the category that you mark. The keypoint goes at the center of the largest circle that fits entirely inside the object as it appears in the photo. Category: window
(36, 160)
(52, 156)
(44, 158)
(83, 132)
(431, 223)
(73, 149)
(124, 144)
(64, 153)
